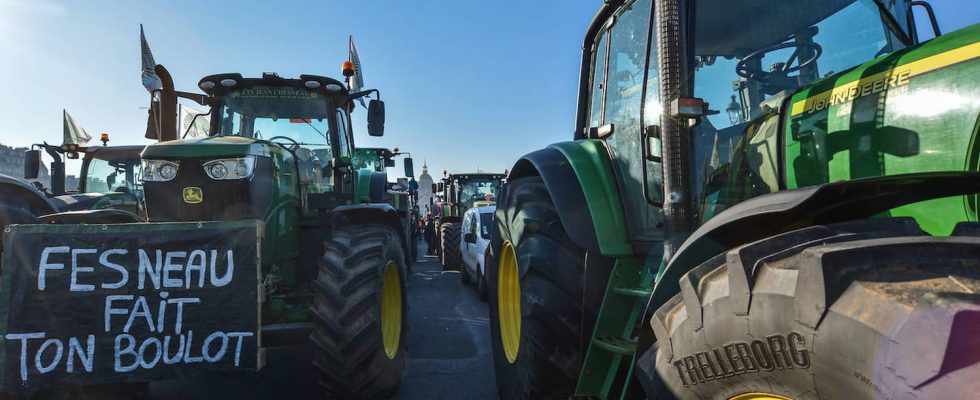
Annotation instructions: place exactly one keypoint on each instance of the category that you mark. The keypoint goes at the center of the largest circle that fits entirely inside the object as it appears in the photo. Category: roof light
(228, 82)
(206, 85)
(311, 84)
(348, 68)
(333, 87)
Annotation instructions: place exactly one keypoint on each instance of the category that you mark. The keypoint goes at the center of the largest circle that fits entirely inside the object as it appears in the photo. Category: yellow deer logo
(193, 195)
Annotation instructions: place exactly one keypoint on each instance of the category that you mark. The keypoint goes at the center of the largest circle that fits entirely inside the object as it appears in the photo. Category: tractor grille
(221, 200)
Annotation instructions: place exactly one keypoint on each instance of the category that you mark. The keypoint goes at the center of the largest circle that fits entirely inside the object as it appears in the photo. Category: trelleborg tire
(535, 277)
(869, 309)
(360, 312)
(451, 255)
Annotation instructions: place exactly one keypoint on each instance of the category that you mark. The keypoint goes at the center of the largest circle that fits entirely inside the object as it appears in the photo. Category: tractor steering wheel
(292, 147)
(747, 70)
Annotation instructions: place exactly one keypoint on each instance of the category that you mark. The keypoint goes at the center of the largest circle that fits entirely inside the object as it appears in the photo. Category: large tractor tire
(869, 309)
(359, 312)
(535, 282)
(452, 258)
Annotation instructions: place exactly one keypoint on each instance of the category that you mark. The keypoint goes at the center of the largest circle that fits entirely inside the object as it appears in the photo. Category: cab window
(343, 123)
(628, 73)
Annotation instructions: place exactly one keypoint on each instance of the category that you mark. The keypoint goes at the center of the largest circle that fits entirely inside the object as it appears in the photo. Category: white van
(476, 226)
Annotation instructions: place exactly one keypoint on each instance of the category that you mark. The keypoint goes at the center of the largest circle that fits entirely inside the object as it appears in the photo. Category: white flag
(715, 159)
(356, 81)
(74, 134)
(191, 127)
(150, 79)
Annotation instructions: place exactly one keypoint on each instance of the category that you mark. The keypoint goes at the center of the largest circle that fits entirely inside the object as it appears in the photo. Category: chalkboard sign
(92, 304)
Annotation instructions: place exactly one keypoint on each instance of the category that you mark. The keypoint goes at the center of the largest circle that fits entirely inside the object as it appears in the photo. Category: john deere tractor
(333, 256)
(461, 192)
(402, 197)
(765, 199)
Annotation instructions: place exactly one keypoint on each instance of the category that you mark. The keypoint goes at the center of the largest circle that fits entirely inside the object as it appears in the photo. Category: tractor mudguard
(580, 179)
(105, 216)
(13, 188)
(373, 213)
(558, 176)
(771, 214)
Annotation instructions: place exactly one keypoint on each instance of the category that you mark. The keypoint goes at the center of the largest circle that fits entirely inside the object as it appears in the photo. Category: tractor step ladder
(605, 371)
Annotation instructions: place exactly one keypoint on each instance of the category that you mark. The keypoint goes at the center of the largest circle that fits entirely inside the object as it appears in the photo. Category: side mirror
(409, 168)
(32, 164)
(376, 118)
(435, 188)
(469, 237)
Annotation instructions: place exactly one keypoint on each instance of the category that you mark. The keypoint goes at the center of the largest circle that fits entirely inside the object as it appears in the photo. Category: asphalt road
(448, 351)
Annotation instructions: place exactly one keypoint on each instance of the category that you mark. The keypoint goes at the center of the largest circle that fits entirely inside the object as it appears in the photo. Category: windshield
(478, 189)
(283, 115)
(114, 175)
(759, 51)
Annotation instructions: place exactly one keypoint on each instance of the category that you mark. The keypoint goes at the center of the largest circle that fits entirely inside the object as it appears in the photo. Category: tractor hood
(215, 146)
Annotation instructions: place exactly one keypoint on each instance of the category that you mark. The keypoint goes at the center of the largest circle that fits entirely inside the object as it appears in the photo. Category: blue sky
(466, 83)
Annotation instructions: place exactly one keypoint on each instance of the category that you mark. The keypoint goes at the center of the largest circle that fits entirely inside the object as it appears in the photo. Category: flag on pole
(74, 134)
(150, 79)
(194, 127)
(356, 81)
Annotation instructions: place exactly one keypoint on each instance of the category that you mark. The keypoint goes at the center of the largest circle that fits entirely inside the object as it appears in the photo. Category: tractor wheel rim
(759, 396)
(509, 302)
(391, 309)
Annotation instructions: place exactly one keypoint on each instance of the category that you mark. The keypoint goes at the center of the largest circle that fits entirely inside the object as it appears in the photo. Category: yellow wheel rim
(509, 302)
(391, 309)
(759, 396)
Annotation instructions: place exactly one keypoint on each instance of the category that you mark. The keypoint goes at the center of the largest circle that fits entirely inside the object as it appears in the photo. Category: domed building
(425, 189)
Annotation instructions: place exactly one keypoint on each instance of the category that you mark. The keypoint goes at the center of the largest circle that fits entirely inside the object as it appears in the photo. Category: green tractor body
(332, 254)
(713, 129)
(462, 191)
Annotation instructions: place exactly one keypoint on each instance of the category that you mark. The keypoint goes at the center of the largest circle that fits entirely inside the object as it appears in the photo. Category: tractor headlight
(230, 168)
(218, 171)
(159, 170)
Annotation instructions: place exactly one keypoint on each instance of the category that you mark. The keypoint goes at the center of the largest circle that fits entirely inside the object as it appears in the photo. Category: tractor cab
(374, 159)
(708, 79)
(109, 177)
(464, 190)
(272, 140)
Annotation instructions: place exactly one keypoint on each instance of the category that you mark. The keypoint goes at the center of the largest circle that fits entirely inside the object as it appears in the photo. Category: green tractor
(763, 200)
(401, 195)
(334, 255)
(108, 186)
(460, 193)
